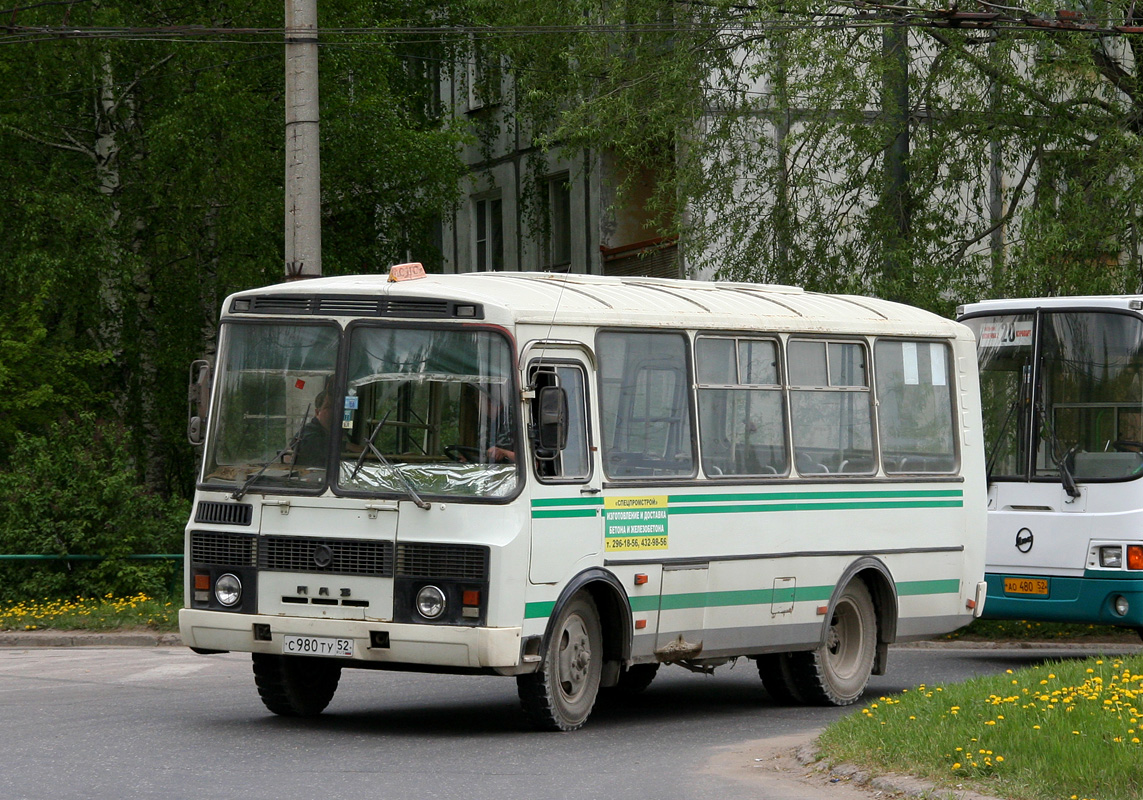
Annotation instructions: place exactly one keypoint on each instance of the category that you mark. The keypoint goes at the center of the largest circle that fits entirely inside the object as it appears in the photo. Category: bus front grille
(333, 556)
(212, 512)
(223, 549)
(456, 561)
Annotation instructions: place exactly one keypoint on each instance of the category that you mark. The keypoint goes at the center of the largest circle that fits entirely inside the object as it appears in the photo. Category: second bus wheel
(559, 695)
(295, 686)
(837, 672)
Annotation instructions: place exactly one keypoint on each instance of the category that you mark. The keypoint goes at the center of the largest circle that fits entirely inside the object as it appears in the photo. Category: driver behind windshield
(313, 445)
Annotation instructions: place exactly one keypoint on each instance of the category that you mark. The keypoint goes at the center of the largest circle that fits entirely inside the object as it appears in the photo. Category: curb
(889, 784)
(48, 638)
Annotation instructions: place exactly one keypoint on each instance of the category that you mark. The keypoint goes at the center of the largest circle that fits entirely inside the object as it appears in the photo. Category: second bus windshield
(1080, 404)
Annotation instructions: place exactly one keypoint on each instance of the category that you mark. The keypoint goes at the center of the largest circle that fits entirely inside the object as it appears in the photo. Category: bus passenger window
(915, 407)
(573, 463)
(643, 399)
(830, 407)
(742, 418)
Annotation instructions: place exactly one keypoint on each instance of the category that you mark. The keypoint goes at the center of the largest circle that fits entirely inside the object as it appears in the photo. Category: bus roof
(575, 299)
(1131, 302)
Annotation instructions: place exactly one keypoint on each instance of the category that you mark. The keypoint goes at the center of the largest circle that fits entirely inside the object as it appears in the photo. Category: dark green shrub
(76, 491)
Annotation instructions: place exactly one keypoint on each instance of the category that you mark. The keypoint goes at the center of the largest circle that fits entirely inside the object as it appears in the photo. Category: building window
(488, 234)
(484, 77)
(557, 232)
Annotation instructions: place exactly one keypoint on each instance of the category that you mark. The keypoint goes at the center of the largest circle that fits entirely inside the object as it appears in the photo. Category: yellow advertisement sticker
(635, 523)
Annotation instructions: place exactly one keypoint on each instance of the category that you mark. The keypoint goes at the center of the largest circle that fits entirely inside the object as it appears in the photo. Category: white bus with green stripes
(574, 480)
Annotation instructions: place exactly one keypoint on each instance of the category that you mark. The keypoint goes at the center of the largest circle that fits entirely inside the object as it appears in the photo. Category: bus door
(567, 505)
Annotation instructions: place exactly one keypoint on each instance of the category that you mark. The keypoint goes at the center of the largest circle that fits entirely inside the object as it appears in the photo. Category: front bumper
(1070, 599)
(425, 646)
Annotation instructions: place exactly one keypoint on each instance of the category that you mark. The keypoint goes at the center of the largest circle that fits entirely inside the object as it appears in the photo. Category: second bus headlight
(1111, 557)
(430, 602)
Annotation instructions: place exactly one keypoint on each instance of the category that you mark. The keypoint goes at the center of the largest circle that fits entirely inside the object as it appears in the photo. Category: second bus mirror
(553, 417)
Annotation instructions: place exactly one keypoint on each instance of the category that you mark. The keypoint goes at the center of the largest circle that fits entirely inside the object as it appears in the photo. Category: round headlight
(228, 589)
(430, 602)
(1121, 605)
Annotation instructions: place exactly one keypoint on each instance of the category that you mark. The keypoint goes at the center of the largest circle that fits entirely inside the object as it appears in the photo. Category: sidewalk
(50, 638)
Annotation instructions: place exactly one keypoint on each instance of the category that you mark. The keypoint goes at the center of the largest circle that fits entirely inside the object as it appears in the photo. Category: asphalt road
(161, 722)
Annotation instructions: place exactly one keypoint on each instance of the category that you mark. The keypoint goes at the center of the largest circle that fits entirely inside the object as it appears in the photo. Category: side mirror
(198, 401)
(552, 402)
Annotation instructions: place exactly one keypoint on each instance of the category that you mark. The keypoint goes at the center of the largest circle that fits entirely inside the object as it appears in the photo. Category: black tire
(633, 680)
(559, 695)
(295, 686)
(836, 673)
(776, 672)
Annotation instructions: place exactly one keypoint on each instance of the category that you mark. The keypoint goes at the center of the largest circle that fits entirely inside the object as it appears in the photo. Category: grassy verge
(92, 614)
(1064, 729)
(1000, 630)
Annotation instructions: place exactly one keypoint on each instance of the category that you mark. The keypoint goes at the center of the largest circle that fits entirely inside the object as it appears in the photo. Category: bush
(76, 491)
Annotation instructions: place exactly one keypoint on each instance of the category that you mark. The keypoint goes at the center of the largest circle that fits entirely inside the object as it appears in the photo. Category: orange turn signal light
(640, 578)
(201, 581)
(1134, 556)
(470, 597)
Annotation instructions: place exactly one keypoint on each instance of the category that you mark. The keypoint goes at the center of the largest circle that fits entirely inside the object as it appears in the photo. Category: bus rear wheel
(559, 695)
(777, 673)
(295, 686)
(837, 672)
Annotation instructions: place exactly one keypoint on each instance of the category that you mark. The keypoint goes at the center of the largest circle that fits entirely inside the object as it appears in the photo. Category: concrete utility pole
(303, 159)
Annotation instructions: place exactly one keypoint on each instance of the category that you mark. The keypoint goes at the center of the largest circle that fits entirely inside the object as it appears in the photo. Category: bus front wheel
(295, 686)
(837, 672)
(559, 695)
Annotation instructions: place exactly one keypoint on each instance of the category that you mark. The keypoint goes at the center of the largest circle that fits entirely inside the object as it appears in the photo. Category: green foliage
(771, 131)
(143, 183)
(1058, 729)
(76, 492)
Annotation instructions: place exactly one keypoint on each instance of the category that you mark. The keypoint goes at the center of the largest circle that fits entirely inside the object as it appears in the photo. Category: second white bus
(572, 480)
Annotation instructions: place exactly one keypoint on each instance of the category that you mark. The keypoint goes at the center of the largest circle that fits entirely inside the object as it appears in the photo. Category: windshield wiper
(240, 492)
(1066, 477)
(998, 441)
(369, 446)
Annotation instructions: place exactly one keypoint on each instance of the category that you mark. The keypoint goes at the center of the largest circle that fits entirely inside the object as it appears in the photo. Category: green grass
(92, 614)
(1063, 729)
(992, 630)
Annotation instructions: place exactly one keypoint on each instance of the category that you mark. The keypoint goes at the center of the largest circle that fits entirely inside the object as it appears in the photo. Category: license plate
(1026, 586)
(317, 646)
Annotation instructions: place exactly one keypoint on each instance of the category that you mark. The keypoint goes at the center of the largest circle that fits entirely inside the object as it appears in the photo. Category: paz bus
(572, 480)
(1062, 396)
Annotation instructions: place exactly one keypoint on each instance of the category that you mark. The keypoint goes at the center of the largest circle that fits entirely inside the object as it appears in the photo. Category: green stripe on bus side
(749, 597)
(814, 495)
(538, 610)
(544, 502)
(744, 503)
(912, 588)
(565, 513)
(818, 506)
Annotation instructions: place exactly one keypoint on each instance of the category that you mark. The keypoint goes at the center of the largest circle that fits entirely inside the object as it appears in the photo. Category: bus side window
(573, 462)
(644, 405)
(741, 407)
(830, 407)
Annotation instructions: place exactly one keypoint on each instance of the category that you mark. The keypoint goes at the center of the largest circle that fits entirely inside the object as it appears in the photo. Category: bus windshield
(1074, 402)
(419, 412)
(273, 382)
(429, 411)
